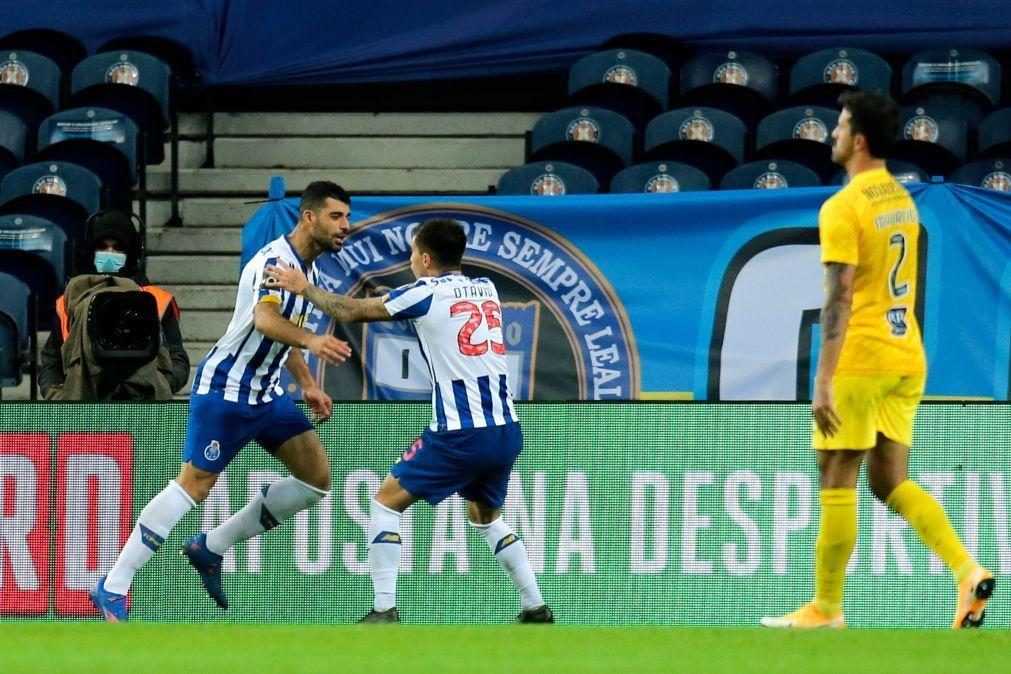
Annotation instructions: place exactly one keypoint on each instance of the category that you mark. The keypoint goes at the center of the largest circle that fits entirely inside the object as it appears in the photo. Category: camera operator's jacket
(83, 375)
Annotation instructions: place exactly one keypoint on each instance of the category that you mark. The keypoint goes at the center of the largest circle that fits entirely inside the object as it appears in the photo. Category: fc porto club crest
(13, 72)
(696, 127)
(547, 185)
(771, 180)
(566, 334)
(212, 451)
(50, 184)
(662, 183)
(583, 129)
(842, 71)
(731, 73)
(997, 180)
(621, 74)
(123, 72)
(921, 127)
(811, 128)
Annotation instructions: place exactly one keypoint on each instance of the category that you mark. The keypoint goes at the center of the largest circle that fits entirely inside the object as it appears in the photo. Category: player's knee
(319, 478)
(195, 482)
(881, 488)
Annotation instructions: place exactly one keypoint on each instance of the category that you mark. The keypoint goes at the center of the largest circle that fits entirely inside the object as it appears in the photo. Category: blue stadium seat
(58, 47)
(659, 177)
(133, 83)
(769, 175)
(995, 134)
(709, 139)
(174, 54)
(547, 179)
(29, 86)
(632, 83)
(13, 138)
(965, 78)
(902, 171)
(742, 83)
(101, 140)
(35, 251)
(60, 192)
(934, 138)
(13, 329)
(801, 134)
(599, 140)
(990, 174)
(819, 78)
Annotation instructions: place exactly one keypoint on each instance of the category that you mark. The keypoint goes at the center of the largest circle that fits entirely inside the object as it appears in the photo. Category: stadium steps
(384, 153)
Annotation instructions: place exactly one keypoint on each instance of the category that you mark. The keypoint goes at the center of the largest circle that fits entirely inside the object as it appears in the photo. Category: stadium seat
(801, 134)
(968, 79)
(742, 83)
(769, 175)
(58, 47)
(708, 139)
(13, 329)
(547, 179)
(631, 83)
(35, 251)
(101, 140)
(658, 177)
(601, 141)
(13, 138)
(175, 55)
(60, 192)
(995, 134)
(668, 49)
(902, 171)
(819, 78)
(132, 83)
(935, 138)
(990, 174)
(29, 86)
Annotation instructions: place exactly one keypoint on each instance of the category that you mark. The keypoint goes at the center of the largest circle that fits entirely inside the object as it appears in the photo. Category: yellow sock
(926, 515)
(837, 534)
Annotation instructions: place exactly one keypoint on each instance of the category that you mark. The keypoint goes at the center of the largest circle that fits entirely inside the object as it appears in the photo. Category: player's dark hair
(315, 195)
(875, 116)
(443, 239)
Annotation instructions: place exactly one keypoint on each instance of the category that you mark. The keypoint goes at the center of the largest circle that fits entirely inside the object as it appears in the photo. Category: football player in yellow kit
(872, 368)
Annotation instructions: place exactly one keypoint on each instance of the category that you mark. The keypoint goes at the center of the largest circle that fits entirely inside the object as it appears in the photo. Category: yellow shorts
(868, 405)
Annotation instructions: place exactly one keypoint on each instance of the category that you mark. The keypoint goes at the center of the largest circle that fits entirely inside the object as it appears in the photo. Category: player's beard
(841, 154)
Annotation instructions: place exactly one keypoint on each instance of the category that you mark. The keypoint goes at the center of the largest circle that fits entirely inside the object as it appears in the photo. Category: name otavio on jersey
(547, 266)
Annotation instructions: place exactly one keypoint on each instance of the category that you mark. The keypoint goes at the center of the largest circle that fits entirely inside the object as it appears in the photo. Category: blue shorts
(218, 429)
(474, 462)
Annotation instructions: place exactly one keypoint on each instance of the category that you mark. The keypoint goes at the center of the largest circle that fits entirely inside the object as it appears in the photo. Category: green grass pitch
(26, 648)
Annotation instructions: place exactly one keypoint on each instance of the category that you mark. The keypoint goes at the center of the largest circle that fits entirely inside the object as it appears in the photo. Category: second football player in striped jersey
(474, 437)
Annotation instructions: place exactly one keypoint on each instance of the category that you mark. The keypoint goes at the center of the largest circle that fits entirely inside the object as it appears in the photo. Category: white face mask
(109, 262)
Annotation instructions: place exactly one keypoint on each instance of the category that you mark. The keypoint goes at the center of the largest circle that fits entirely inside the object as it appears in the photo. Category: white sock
(272, 505)
(512, 557)
(384, 554)
(156, 520)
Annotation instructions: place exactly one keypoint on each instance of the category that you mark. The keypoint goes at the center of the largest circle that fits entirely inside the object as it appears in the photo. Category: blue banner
(698, 295)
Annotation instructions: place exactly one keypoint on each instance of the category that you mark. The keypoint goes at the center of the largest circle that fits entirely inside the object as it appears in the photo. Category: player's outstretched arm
(267, 319)
(341, 307)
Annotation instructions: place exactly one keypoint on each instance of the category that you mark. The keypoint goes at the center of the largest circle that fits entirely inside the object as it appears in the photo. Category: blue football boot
(208, 565)
(111, 606)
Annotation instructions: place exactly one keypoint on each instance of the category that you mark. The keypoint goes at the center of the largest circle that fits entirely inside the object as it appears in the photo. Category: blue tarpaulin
(259, 42)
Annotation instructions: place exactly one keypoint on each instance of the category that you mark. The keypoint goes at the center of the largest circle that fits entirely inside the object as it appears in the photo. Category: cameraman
(116, 250)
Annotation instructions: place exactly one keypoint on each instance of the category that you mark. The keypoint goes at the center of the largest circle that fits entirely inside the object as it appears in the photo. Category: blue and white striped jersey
(244, 366)
(458, 321)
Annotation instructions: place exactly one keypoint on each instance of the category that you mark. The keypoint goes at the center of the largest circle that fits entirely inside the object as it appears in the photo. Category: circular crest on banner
(567, 333)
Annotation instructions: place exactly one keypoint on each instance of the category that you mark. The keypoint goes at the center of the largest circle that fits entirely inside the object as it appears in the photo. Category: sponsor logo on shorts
(212, 451)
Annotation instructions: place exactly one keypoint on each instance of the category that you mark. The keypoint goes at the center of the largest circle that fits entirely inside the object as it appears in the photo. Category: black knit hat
(115, 224)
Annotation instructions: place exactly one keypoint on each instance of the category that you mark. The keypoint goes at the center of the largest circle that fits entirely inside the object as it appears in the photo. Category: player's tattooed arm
(838, 299)
(341, 307)
(835, 316)
(347, 309)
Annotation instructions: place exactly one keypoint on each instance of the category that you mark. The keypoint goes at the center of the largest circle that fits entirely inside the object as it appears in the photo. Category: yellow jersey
(873, 225)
